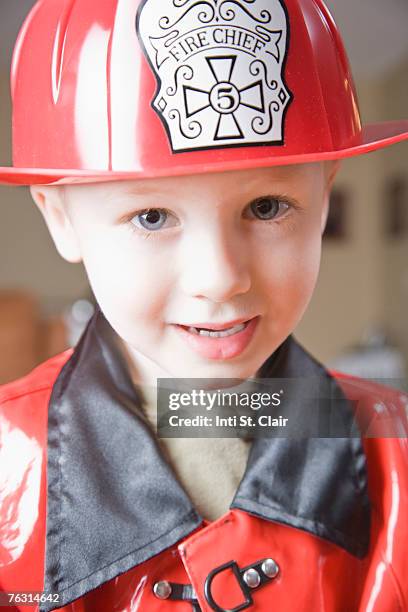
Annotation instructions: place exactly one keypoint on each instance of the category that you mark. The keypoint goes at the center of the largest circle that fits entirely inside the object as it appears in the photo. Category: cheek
(130, 281)
(290, 277)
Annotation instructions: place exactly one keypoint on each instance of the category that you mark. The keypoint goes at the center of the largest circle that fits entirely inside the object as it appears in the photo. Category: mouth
(222, 330)
(219, 340)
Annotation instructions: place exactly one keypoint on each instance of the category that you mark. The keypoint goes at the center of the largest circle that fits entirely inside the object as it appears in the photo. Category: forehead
(291, 176)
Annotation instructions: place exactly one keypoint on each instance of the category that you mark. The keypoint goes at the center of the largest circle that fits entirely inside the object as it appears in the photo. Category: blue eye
(267, 208)
(152, 219)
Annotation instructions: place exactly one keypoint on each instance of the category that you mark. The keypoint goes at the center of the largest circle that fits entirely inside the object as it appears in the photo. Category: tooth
(222, 333)
(204, 332)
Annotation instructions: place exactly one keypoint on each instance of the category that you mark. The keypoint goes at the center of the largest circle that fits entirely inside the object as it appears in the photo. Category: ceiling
(375, 31)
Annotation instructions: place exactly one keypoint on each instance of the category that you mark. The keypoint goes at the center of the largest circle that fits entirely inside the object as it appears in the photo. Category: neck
(143, 371)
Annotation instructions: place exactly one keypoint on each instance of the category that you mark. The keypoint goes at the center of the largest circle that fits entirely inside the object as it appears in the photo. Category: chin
(220, 369)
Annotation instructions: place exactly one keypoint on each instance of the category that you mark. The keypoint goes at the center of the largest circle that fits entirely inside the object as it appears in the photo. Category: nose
(215, 265)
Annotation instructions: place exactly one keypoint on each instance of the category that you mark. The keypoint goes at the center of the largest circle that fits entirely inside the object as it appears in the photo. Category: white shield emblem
(219, 65)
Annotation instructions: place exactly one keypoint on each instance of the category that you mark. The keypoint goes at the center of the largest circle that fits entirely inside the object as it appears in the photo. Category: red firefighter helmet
(121, 89)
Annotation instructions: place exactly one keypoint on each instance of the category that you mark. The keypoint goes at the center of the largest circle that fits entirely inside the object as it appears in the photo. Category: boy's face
(200, 249)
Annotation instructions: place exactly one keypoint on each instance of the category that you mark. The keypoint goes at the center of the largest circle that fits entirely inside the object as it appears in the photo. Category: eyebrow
(112, 197)
(142, 189)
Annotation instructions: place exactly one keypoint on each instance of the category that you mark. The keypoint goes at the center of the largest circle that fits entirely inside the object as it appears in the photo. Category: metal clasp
(249, 578)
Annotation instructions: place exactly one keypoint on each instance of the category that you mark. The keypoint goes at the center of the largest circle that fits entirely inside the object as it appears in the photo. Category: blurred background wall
(363, 286)
(361, 302)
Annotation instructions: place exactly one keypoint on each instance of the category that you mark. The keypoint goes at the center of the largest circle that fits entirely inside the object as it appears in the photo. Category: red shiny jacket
(305, 531)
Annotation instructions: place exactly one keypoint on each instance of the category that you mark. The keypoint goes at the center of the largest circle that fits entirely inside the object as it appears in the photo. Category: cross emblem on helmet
(224, 98)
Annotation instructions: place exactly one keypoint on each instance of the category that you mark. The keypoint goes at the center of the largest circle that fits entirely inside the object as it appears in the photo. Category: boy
(191, 148)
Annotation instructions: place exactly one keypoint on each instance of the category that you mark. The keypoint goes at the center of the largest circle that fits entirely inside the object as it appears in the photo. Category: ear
(330, 170)
(50, 202)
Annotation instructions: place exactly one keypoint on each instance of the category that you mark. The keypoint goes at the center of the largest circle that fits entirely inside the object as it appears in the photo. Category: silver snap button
(379, 408)
(252, 578)
(270, 568)
(162, 589)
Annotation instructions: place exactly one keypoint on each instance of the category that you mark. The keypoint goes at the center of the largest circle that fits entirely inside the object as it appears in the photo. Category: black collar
(114, 502)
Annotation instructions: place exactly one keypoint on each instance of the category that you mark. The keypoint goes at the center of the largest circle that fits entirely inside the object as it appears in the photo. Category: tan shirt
(209, 469)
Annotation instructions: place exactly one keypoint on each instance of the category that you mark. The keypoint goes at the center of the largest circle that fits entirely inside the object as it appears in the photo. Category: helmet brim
(375, 136)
